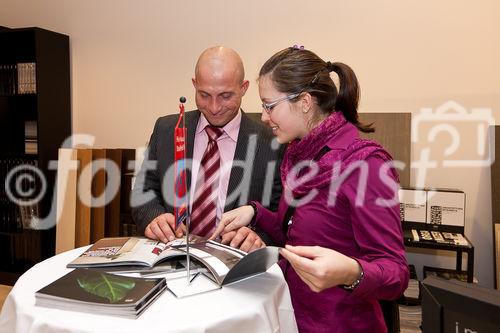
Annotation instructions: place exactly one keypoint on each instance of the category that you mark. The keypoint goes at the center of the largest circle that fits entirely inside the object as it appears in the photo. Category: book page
(120, 250)
(219, 259)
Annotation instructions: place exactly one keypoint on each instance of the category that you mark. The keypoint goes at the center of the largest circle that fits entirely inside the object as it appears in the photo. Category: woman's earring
(305, 110)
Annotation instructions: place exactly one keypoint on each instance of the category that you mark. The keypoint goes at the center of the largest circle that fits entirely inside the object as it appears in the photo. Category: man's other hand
(162, 228)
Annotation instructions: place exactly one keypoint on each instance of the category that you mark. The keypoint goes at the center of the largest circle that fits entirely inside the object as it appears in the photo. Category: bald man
(249, 160)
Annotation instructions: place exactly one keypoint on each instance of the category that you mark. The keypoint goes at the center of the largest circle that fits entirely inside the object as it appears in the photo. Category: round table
(258, 304)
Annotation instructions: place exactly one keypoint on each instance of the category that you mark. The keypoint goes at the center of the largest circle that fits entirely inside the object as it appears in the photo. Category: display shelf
(35, 119)
(458, 249)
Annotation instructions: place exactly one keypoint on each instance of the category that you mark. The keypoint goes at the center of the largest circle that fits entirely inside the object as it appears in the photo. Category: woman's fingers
(303, 263)
(307, 251)
(217, 231)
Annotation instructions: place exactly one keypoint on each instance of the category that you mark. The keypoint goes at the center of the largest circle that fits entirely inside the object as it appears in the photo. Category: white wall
(131, 60)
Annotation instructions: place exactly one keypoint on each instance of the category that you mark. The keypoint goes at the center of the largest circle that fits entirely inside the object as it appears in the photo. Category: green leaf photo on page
(93, 291)
(113, 288)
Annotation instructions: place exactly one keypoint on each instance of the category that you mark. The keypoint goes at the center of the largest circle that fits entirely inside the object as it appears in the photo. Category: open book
(225, 264)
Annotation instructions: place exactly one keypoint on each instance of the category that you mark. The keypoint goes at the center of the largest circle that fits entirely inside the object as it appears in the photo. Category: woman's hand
(244, 239)
(321, 268)
(234, 219)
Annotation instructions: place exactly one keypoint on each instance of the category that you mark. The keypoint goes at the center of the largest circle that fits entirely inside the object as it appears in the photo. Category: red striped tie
(203, 212)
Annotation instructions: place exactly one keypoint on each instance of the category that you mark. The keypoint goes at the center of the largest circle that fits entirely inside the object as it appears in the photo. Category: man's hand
(162, 228)
(244, 239)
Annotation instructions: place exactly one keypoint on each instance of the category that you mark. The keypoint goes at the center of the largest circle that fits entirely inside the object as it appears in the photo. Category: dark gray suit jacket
(254, 148)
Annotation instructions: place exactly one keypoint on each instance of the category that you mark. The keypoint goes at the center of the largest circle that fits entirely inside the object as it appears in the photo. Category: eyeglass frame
(269, 106)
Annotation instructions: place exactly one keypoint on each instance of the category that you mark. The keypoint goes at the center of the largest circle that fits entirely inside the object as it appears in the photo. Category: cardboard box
(446, 207)
(413, 205)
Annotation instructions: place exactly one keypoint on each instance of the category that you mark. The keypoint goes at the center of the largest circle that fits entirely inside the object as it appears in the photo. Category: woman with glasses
(338, 217)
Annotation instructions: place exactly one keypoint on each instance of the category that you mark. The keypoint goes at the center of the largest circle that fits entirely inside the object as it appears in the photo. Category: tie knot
(213, 132)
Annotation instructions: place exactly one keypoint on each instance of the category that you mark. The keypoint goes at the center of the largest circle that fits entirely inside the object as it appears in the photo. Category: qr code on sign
(436, 215)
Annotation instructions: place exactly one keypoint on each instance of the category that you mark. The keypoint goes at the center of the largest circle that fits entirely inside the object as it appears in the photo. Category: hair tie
(298, 47)
(330, 67)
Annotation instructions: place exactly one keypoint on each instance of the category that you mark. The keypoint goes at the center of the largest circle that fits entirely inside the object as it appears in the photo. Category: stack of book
(447, 274)
(92, 291)
(17, 79)
(11, 171)
(8, 78)
(26, 78)
(30, 137)
(410, 310)
(410, 318)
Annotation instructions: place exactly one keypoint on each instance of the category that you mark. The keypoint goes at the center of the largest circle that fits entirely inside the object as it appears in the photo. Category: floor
(4, 291)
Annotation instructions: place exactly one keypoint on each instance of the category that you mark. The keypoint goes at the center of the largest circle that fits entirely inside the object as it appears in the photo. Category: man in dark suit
(247, 153)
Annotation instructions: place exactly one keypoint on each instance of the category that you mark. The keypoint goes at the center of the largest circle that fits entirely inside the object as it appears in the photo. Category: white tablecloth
(258, 304)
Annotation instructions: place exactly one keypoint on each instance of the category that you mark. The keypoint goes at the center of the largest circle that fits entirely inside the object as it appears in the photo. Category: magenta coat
(369, 233)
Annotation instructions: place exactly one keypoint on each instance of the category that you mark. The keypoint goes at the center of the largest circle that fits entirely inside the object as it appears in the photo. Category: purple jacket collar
(345, 147)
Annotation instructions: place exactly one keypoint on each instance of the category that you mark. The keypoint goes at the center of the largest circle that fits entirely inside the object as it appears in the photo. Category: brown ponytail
(348, 97)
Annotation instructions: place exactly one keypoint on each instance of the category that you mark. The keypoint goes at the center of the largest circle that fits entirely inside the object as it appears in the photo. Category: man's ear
(244, 87)
(193, 80)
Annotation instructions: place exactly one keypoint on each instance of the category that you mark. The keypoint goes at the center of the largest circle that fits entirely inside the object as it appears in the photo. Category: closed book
(92, 291)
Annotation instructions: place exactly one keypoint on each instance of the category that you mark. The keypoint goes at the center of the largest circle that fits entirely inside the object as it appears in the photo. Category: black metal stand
(459, 249)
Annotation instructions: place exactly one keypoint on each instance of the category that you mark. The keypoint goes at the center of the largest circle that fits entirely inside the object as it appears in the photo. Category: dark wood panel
(97, 225)
(393, 131)
(83, 211)
(495, 204)
(112, 213)
(495, 179)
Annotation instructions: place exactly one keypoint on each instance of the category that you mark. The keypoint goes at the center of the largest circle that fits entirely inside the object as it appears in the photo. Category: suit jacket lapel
(240, 153)
(191, 123)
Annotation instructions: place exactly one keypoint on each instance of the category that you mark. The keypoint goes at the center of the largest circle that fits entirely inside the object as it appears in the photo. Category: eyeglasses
(269, 106)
